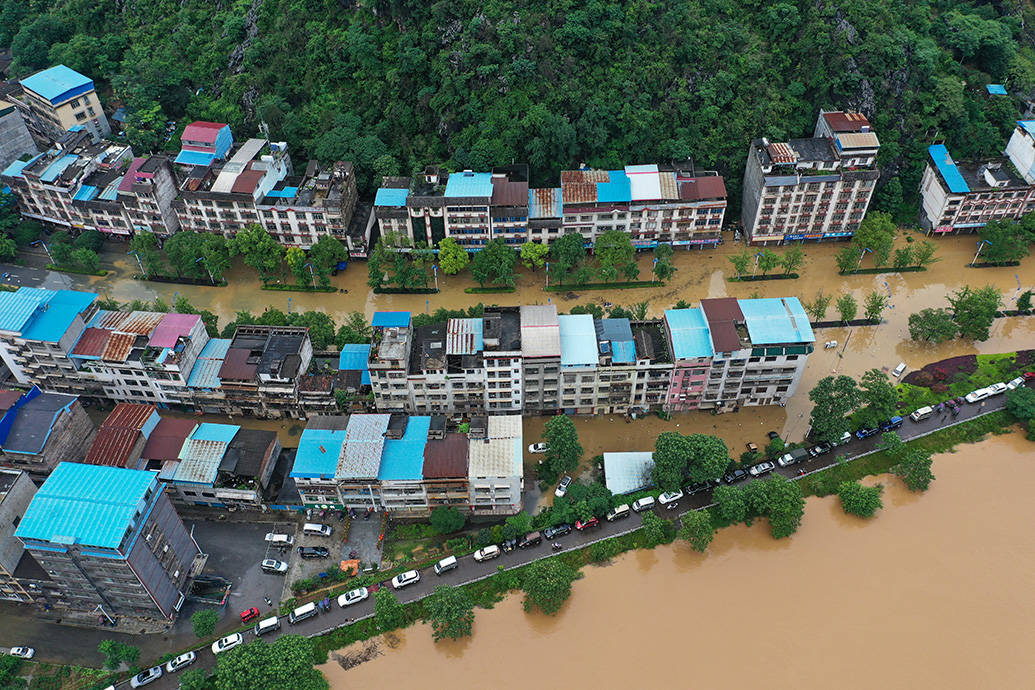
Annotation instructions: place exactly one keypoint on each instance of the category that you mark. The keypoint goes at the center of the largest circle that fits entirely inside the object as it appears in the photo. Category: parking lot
(300, 568)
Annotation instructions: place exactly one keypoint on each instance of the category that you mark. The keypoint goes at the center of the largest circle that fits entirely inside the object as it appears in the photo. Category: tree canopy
(286, 663)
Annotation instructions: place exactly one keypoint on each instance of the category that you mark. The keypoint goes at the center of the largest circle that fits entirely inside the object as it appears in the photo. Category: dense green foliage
(856, 499)
(116, 652)
(446, 519)
(287, 663)
(914, 461)
(450, 611)
(563, 448)
(547, 584)
(203, 622)
(697, 529)
(552, 83)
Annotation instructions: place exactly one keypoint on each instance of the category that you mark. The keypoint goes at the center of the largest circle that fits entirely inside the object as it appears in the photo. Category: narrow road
(472, 571)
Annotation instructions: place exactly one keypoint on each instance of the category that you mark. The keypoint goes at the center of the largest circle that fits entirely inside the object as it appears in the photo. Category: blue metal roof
(403, 459)
(111, 192)
(469, 184)
(85, 193)
(950, 173)
(16, 308)
(205, 373)
(390, 319)
(58, 83)
(391, 196)
(41, 314)
(57, 167)
(618, 189)
(773, 320)
(623, 351)
(199, 158)
(545, 203)
(1028, 126)
(91, 505)
(286, 193)
(221, 433)
(354, 357)
(317, 454)
(690, 335)
(578, 340)
(15, 168)
(995, 89)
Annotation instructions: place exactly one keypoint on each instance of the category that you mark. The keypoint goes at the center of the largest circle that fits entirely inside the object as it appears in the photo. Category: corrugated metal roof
(131, 416)
(584, 175)
(689, 332)
(57, 167)
(198, 158)
(578, 340)
(141, 322)
(540, 336)
(202, 131)
(354, 357)
(545, 203)
(446, 458)
(995, 89)
(464, 337)
(205, 374)
(722, 315)
(387, 196)
(628, 472)
(846, 122)
(199, 461)
(618, 189)
(781, 153)
(318, 452)
(669, 189)
(222, 433)
(54, 82)
(390, 319)
(697, 188)
(856, 140)
(579, 192)
(947, 167)
(504, 426)
(645, 182)
(171, 328)
(113, 447)
(92, 343)
(16, 308)
(469, 184)
(86, 505)
(403, 459)
(118, 347)
(41, 314)
(507, 193)
(364, 442)
(775, 320)
(166, 441)
(498, 457)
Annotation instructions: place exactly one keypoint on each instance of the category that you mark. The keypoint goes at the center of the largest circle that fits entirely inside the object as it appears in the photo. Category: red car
(249, 614)
(1029, 376)
(592, 522)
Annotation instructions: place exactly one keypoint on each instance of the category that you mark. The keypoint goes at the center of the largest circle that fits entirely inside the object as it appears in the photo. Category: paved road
(472, 571)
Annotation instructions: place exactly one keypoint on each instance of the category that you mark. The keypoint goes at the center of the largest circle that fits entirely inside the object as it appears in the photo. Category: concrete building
(299, 210)
(38, 329)
(58, 99)
(262, 368)
(202, 143)
(962, 196)
(147, 192)
(111, 541)
(38, 430)
(16, 492)
(655, 204)
(496, 469)
(540, 358)
(74, 184)
(15, 140)
(811, 189)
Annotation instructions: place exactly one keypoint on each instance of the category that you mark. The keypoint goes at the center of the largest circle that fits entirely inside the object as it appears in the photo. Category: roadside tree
(8, 249)
(653, 529)
(547, 585)
(564, 450)
(194, 679)
(183, 251)
(708, 457)
(697, 530)
(903, 258)
(145, 244)
(847, 307)
(259, 250)
(356, 330)
(494, 263)
(1024, 302)
(874, 305)
(389, 614)
(215, 255)
(325, 256)
(663, 268)
(115, 653)
(923, 253)
(295, 259)
(846, 258)
(879, 396)
(913, 463)
(730, 505)
(833, 398)
(671, 454)
(768, 260)
(793, 259)
(452, 257)
(856, 499)
(446, 520)
(450, 612)
(567, 253)
(533, 254)
(974, 310)
(203, 622)
(876, 233)
(741, 262)
(615, 254)
(1007, 242)
(817, 308)
(932, 326)
(287, 663)
(86, 259)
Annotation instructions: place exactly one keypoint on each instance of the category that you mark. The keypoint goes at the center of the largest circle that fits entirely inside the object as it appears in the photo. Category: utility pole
(981, 245)
(135, 255)
(47, 250)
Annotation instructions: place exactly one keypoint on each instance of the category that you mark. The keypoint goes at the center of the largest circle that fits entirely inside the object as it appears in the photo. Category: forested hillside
(397, 84)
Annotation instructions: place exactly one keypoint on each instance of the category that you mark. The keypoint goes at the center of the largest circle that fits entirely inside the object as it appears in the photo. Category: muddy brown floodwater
(934, 592)
(700, 274)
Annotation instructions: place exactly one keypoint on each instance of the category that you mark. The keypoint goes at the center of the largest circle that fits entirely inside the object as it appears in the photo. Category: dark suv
(509, 545)
(735, 475)
(313, 552)
(558, 531)
(529, 540)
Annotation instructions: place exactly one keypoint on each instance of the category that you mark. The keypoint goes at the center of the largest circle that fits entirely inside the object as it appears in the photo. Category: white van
(899, 369)
(922, 413)
(447, 563)
(267, 625)
(642, 504)
(618, 512)
(302, 612)
(314, 529)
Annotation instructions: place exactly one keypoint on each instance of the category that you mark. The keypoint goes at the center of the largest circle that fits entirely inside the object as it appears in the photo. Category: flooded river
(936, 591)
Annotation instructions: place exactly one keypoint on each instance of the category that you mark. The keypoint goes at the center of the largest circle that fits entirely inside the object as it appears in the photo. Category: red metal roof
(8, 398)
(246, 182)
(167, 439)
(721, 314)
(235, 365)
(118, 347)
(92, 343)
(846, 122)
(129, 416)
(113, 447)
(697, 188)
(505, 193)
(202, 131)
(446, 458)
(781, 153)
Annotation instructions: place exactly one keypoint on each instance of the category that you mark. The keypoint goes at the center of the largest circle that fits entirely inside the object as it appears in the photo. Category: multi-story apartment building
(75, 184)
(38, 430)
(140, 356)
(962, 196)
(38, 329)
(147, 192)
(298, 211)
(540, 358)
(410, 465)
(110, 540)
(202, 143)
(261, 370)
(15, 140)
(654, 204)
(16, 492)
(59, 99)
(811, 189)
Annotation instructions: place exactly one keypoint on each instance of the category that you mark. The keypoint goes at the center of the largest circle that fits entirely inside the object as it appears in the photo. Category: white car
(284, 540)
(407, 578)
(997, 388)
(978, 395)
(562, 488)
(1016, 383)
(490, 551)
(145, 677)
(23, 652)
(353, 597)
(228, 642)
(670, 497)
(761, 468)
(181, 661)
(537, 448)
(272, 565)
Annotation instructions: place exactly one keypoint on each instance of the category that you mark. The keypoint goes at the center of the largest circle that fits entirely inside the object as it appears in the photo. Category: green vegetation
(817, 308)
(833, 398)
(450, 611)
(971, 315)
(846, 307)
(697, 530)
(452, 257)
(856, 499)
(1020, 403)
(388, 266)
(115, 653)
(564, 450)
(765, 261)
(204, 622)
(699, 456)
(446, 520)
(388, 612)
(1007, 241)
(932, 325)
(547, 584)
(286, 663)
(533, 254)
(495, 263)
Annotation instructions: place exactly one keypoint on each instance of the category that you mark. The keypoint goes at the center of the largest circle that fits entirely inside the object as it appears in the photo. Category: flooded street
(933, 592)
(700, 274)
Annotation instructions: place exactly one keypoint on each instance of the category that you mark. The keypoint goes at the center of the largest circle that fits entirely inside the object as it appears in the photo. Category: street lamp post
(755, 269)
(861, 255)
(311, 272)
(198, 261)
(139, 262)
(652, 267)
(45, 248)
(981, 245)
(547, 274)
(434, 269)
